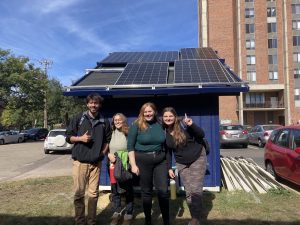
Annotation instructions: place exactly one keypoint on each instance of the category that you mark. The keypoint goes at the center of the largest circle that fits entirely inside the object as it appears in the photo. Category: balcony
(265, 105)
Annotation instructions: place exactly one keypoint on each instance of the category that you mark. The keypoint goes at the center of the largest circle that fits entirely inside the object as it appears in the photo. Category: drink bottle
(173, 189)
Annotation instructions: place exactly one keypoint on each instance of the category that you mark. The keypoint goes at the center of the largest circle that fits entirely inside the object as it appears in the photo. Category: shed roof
(188, 71)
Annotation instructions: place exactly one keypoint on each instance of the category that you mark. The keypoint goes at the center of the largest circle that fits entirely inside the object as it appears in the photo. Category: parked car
(10, 137)
(260, 134)
(56, 141)
(282, 153)
(233, 135)
(37, 133)
(25, 133)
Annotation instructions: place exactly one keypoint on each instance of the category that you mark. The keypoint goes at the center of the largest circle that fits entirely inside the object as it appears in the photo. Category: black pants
(153, 168)
(116, 196)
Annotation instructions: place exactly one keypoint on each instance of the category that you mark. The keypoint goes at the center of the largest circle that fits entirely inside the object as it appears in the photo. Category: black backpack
(120, 173)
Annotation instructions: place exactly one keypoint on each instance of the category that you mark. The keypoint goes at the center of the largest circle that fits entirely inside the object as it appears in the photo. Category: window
(271, 12)
(297, 73)
(255, 98)
(282, 139)
(296, 24)
(250, 28)
(296, 40)
(251, 75)
(297, 57)
(296, 8)
(272, 27)
(272, 43)
(297, 97)
(273, 59)
(273, 75)
(249, 12)
(249, 0)
(250, 44)
(250, 60)
(295, 138)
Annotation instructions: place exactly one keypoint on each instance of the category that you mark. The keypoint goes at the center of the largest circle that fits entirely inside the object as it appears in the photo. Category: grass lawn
(49, 201)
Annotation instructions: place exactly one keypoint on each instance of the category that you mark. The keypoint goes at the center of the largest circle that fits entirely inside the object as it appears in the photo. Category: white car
(10, 137)
(56, 141)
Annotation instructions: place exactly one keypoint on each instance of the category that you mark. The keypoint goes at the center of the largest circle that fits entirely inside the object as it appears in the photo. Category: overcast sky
(76, 34)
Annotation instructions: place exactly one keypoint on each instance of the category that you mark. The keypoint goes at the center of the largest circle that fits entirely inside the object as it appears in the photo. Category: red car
(282, 153)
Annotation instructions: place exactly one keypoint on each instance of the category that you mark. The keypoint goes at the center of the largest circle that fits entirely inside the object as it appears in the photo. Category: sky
(76, 34)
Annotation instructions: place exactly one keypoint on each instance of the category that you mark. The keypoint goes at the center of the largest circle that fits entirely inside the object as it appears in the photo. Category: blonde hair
(124, 128)
(141, 121)
(178, 134)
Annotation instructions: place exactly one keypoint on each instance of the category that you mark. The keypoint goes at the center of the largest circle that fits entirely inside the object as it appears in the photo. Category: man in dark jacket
(90, 132)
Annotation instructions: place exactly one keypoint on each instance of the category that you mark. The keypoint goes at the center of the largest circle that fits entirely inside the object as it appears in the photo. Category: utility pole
(46, 63)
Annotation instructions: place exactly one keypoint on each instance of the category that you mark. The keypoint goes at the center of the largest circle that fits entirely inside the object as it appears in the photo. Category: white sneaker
(115, 218)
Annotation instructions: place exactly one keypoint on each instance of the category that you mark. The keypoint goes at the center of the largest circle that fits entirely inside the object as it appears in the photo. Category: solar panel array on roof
(202, 71)
(144, 73)
(131, 57)
(198, 53)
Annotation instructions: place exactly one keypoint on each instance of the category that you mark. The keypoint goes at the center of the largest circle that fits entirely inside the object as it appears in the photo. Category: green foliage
(279, 191)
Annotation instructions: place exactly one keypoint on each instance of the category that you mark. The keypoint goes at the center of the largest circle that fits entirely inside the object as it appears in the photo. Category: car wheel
(19, 140)
(260, 144)
(1, 142)
(270, 169)
(46, 151)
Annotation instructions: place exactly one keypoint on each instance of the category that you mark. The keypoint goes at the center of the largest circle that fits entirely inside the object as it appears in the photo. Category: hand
(85, 138)
(111, 157)
(171, 174)
(135, 170)
(188, 121)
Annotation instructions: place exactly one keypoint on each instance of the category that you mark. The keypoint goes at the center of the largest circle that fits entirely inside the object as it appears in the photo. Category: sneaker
(127, 219)
(115, 218)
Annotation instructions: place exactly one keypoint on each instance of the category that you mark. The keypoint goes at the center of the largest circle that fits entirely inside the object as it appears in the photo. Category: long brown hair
(124, 128)
(176, 130)
(141, 121)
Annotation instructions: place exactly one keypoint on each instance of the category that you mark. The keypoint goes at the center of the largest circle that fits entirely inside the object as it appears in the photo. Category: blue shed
(190, 80)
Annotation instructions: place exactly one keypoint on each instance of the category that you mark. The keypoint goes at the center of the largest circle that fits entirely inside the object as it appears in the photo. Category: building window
(297, 73)
(250, 44)
(297, 57)
(296, 8)
(249, 0)
(273, 75)
(249, 12)
(296, 24)
(255, 98)
(297, 97)
(273, 60)
(250, 60)
(271, 12)
(272, 27)
(251, 75)
(296, 40)
(272, 43)
(250, 28)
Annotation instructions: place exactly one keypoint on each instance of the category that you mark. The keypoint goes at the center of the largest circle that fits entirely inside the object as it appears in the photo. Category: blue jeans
(116, 196)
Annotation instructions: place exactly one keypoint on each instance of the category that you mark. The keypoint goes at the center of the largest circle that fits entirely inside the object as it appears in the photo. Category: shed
(190, 80)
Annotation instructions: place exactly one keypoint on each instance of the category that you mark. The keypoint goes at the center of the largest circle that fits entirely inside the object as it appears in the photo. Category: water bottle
(173, 189)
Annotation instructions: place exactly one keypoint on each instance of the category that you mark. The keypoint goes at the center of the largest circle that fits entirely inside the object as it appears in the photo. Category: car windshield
(54, 133)
(232, 127)
(32, 131)
(270, 127)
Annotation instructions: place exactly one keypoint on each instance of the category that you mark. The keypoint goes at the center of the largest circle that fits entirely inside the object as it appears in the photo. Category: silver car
(233, 135)
(260, 134)
(56, 141)
(10, 137)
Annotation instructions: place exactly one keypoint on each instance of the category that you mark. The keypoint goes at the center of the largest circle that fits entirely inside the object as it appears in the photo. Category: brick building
(260, 40)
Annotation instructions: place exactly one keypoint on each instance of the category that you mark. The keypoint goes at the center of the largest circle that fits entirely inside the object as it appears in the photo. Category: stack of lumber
(245, 174)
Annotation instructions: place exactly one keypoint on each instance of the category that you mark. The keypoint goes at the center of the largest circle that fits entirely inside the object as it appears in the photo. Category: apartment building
(260, 40)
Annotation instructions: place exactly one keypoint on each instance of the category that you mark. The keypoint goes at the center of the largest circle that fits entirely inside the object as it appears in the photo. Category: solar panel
(202, 71)
(144, 73)
(198, 53)
(131, 57)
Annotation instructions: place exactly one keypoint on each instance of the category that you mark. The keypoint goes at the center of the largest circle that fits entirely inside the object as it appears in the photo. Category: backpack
(120, 172)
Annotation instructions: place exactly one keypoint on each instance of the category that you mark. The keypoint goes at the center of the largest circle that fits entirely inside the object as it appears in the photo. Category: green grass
(49, 201)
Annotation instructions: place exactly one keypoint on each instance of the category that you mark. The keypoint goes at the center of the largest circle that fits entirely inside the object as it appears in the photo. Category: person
(184, 139)
(90, 132)
(148, 160)
(117, 143)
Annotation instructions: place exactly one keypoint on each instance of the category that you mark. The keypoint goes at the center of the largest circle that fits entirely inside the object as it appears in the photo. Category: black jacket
(100, 131)
(190, 152)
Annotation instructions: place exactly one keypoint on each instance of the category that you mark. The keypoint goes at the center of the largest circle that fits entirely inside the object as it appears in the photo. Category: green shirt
(147, 140)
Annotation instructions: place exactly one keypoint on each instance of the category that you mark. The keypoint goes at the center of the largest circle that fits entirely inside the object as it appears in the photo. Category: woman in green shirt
(148, 160)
